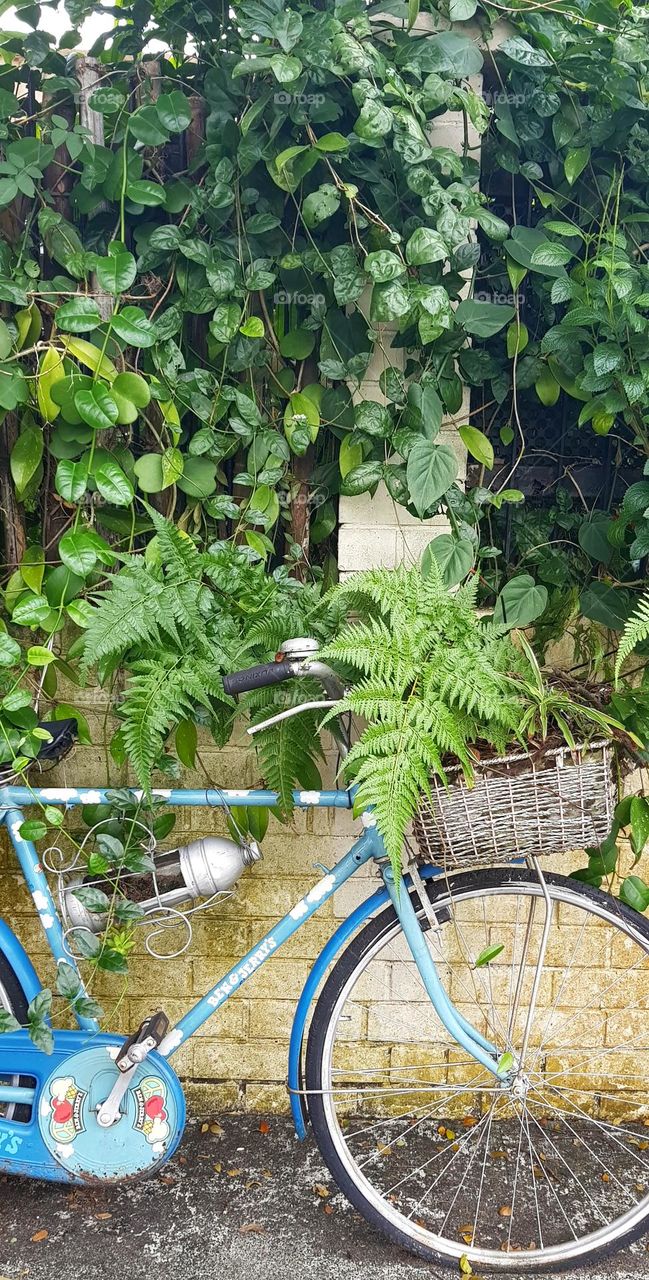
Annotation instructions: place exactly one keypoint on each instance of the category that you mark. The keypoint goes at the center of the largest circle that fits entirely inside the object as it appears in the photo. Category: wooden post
(88, 72)
(13, 515)
(195, 135)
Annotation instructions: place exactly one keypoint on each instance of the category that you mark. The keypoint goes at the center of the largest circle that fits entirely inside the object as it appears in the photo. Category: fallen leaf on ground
(321, 1191)
(505, 1211)
(217, 1129)
(328, 1208)
(252, 1228)
(218, 1167)
(103, 1217)
(233, 1173)
(40, 1235)
(264, 1127)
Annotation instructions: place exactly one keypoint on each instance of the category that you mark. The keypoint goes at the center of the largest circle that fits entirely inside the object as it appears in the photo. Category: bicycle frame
(369, 846)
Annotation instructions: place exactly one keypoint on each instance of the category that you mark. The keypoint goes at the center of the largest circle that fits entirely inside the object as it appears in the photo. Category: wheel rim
(531, 1140)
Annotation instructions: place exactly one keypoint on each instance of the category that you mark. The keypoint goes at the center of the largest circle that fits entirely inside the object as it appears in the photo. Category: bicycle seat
(63, 735)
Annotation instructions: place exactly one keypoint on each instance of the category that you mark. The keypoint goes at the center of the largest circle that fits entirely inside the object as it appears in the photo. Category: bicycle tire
(14, 1000)
(330, 1135)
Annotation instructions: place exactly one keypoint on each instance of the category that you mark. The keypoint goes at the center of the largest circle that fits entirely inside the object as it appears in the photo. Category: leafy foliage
(177, 621)
(429, 677)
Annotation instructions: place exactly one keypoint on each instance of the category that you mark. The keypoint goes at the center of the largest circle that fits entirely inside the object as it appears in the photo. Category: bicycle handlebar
(261, 677)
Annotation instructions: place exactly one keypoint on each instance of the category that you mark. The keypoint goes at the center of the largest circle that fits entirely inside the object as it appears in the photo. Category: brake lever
(290, 711)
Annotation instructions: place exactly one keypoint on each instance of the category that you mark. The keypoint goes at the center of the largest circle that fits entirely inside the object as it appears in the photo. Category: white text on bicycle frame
(244, 971)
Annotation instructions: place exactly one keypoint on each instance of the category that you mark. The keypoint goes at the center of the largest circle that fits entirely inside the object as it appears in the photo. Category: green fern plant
(635, 632)
(430, 678)
(179, 618)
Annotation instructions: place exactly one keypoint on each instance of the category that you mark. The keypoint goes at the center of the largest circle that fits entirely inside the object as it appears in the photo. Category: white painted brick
(359, 546)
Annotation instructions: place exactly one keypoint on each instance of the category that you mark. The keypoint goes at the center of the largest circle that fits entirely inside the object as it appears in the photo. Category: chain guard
(152, 1116)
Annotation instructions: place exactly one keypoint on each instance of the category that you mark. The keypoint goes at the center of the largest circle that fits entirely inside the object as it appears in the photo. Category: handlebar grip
(268, 673)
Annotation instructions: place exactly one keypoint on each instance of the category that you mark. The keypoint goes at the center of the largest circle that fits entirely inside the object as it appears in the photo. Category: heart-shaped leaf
(97, 407)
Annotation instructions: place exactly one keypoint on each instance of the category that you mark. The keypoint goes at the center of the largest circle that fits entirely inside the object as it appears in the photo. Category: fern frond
(133, 612)
(178, 552)
(635, 632)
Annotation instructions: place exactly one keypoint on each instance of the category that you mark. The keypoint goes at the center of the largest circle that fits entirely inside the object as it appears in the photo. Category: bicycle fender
(20, 962)
(299, 1101)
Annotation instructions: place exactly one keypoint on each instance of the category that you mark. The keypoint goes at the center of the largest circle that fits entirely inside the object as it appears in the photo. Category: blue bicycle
(474, 1068)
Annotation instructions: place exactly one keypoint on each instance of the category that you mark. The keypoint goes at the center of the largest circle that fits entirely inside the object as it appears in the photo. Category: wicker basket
(519, 808)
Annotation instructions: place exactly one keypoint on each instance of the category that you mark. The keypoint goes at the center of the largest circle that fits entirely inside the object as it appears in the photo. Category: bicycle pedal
(149, 1035)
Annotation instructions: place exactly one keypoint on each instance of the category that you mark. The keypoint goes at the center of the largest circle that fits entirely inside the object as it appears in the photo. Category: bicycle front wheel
(544, 1172)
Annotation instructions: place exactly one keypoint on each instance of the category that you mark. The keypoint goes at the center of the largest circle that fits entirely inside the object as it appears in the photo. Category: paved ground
(241, 1203)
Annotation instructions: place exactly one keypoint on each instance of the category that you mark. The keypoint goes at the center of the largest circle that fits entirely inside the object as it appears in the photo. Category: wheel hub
(520, 1086)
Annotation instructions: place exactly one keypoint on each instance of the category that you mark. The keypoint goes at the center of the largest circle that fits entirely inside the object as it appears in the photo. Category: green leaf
(350, 455)
(478, 445)
(68, 982)
(383, 266)
(116, 272)
(71, 480)
(90, 355)
(520, 602)
(97, 407)
(635, 893)
(113, 484)
(575, 163)
(225, 322)
(148, 469)
(26, 457)
(484, 319)
(520, 51)
(374, 122)
(198, 479)
(143, 191)
(431, 470)
(593, 537)
(39, 656)
(10, 650)
(186, 739)
(284, 68)
(78, 315)
(551, 255)
(639, 824)
(297, 344)
(389, 302)
(94, 900)
(426, 246)
(253, 327)
(455, 557)
(133, 387)
(320, 205)
(32, 829)
(362, 478)
(373, 419)
(8, 1022)
(78, 552)
(331, 142)
(30, 610)
(146, 125)
(489, 954)
(134, 327)
(50, 371)
(174, 111)
(462, 10)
